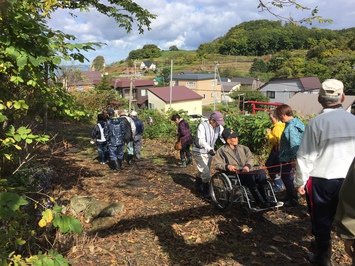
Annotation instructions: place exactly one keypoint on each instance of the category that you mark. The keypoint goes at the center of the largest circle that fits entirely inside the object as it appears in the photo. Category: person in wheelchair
(238, 159)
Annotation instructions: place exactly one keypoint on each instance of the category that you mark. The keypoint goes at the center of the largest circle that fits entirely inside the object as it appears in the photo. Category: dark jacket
(139, 126)
(184, 133)
(115, 131)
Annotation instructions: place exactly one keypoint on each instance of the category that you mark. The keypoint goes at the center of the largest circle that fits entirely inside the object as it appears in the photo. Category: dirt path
(165, 222)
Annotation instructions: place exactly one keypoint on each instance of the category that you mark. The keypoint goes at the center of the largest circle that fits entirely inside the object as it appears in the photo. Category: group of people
(115, 130)
(312, 160)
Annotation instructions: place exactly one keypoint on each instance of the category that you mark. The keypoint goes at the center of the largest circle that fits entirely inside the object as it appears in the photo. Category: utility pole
(171, 82)
(215, 81)
(130, 94)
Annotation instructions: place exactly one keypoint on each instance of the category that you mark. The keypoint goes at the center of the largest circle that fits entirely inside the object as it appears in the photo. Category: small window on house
(270, 94)
(143, 92)
(150, 105)
(212, 95)
(191, 84)
(212, 83)
(204, 96)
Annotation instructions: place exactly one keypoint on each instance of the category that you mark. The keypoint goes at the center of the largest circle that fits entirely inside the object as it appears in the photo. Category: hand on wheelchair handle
(212, 153)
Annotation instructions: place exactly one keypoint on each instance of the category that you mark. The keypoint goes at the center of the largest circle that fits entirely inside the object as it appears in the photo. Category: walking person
(290, 141)
(273, 162)
(114, 133)
(184, 135)
(203, 149)
(138, 136)
(129, 136)
(345, 214)
(323, 159)
(98, 136)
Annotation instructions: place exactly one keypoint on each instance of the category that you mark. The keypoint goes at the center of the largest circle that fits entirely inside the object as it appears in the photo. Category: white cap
(133, 113)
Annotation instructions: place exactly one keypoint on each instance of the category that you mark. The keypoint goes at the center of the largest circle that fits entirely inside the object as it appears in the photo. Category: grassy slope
(240, 63)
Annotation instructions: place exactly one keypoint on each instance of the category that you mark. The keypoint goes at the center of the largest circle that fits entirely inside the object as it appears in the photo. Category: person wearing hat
(129, 137)
(203, 149)
(323, 159)
(235, 158)
(138, 136)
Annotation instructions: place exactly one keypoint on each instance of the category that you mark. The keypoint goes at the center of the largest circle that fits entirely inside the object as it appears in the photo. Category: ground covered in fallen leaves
(165, 222)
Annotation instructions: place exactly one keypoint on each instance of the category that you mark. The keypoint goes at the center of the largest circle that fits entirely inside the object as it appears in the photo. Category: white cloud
(184, 23)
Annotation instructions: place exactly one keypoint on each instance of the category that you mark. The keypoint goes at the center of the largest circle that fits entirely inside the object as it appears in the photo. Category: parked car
(195, 117)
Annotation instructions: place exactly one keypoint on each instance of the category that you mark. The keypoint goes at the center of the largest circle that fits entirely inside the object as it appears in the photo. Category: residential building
(205, 85)
(139, 96)
(148, 66)
(281, 90)
(81, 80)
(176, 97)
(229, 88)
(252, 83)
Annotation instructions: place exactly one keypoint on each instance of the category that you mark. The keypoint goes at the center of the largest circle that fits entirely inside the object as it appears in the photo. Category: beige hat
(122, 112)
(331, 87)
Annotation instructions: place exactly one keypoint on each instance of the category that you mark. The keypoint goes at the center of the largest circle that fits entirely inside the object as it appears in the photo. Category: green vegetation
(30, 53)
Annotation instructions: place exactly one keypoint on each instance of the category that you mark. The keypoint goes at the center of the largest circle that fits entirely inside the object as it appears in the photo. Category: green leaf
(76, 226)
(22, 61)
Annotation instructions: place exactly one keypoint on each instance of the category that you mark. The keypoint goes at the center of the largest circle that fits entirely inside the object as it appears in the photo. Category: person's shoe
(291, 203)
(198, 185)
(130, 159)
(102, 163)
(183, 165)
(284, 198)
(206, 190)
(189, 161)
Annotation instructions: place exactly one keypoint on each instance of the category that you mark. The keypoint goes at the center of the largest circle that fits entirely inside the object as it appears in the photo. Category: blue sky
(185, 23)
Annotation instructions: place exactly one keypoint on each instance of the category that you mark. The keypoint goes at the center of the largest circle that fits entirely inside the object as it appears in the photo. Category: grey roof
(307, 83)
(191, 76)
(244, 81)
(228, 86)
(179, 94)
(307, 104)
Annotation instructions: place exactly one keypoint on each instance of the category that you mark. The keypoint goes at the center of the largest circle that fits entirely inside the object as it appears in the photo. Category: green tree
(98, 64)
(105, 84)
(173, 48)
(30, 52)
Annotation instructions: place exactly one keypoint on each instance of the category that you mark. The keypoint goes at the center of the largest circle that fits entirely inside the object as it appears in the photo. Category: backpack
(129, 134)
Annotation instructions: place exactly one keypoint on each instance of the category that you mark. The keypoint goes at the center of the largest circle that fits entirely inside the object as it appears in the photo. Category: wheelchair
(227, 190)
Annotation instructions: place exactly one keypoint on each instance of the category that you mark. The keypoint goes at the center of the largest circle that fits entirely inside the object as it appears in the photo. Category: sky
(186, 23)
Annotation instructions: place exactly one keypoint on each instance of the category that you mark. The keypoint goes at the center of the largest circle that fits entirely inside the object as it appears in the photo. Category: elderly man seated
(233, 157)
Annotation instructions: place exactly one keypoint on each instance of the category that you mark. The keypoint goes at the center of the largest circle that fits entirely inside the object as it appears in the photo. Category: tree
(30, 52)
(173, 48)
(98, 64)
(268, 6)
(104, 84)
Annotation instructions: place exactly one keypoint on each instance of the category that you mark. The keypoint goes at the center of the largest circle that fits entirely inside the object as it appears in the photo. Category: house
(281, 90)
(205, 85)
(228, 88)
(252, 83)
(176, 97)
(307, 104)
(139, 90)
(82, 81)
(148, 66)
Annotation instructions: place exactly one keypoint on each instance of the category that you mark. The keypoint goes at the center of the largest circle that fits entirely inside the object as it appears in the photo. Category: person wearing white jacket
(323, 159)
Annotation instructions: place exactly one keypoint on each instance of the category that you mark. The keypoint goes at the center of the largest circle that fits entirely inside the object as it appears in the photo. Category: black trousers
(322, 200)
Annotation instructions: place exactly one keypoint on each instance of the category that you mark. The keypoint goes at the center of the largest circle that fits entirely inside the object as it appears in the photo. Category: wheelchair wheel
(221, 191)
